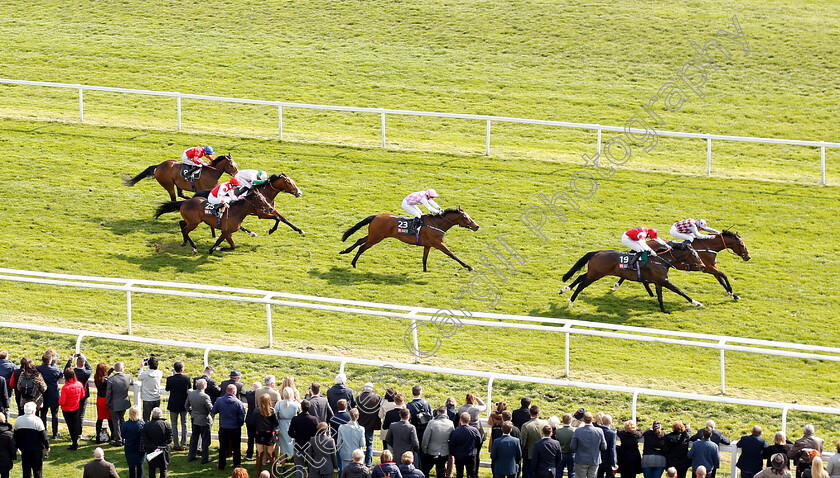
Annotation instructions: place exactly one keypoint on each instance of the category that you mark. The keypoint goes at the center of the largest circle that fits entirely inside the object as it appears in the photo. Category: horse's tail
(168, 206)
(150, 171)
(202, 194)
(580, 263)
(355, 228)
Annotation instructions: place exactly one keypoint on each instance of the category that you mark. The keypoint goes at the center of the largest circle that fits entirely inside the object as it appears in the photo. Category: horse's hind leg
(583, 285)
(573, 284)
(355, 245)
(185, 232)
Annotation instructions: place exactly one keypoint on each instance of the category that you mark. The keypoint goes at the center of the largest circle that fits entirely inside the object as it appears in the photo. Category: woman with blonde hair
(780, 445)
(817, 470)
(629, 459)
(265, 432)
(286, 409)
(289, 382)
(135, 454)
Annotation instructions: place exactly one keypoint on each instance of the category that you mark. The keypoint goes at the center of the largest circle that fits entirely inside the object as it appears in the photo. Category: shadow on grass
(349, 276)
(613, 307)
(121, 227)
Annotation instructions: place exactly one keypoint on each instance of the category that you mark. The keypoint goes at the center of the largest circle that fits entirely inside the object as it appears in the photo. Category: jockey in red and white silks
(193, 156)
(689, 229)
(636, 239)
(411, 202)
(224, 193)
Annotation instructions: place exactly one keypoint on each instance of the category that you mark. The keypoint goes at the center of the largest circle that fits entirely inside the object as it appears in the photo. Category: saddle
(190, 173)
(409, 226)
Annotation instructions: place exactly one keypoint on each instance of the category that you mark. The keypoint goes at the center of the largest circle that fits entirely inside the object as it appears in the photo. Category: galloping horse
(604, 263)
(431, 234)
(708, 250)
(192, 211)
(168, 174)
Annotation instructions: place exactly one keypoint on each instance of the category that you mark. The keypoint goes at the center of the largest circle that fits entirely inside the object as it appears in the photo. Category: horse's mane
(274, 177)
(218, 159)
(449, 210)
(729, 233)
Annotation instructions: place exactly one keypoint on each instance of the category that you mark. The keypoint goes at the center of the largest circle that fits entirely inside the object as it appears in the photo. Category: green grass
(593, 63)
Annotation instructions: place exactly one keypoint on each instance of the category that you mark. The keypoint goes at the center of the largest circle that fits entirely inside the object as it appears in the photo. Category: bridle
(740, 243)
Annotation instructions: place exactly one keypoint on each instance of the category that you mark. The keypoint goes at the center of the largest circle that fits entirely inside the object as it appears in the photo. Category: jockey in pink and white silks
(412, 201)
(224, 194)
(689, 229)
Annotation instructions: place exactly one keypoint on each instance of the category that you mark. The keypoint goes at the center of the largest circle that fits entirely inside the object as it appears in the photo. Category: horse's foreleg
(276, 223)
(286, 221)
(426, 250)
(218, 241)
(355, 245)
(442, 247)
(248, 231)
(723, 280)
(212, 232)
(186, 235)
(646, 284)
(621, 281)
(668, 285)
(228, 236)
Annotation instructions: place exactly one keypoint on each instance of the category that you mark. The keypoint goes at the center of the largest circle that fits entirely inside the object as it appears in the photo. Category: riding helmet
(208, 150)
(431, 193)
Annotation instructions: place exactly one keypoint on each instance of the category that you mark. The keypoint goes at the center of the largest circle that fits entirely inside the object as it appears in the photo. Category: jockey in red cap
(223, 194)
(636, 239)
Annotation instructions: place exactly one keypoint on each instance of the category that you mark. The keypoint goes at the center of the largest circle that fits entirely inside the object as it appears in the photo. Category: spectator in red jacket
(71, 396)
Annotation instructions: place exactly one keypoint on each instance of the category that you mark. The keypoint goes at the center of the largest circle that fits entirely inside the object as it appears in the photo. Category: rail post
(81, 104)
(490, 394)
(382, 122)
(598, 158)
(635, 403)
(341, 367)
(822, 164)
(722, 368)
(567, 327)
(709, 156)
(79, 343)
(178, 103)
(487, 140)
(269, 322)
(128, 304)
(280, 122)
(415, 340)
(784, 419)
(207, 356)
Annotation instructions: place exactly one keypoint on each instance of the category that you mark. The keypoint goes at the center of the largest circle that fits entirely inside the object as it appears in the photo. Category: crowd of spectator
(317, 434)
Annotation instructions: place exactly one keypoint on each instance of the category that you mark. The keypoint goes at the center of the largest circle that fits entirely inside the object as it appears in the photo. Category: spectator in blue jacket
(341, 390)
(704, 453)
(464, 443)
(506, 453)
(51, 375)
(231, 415)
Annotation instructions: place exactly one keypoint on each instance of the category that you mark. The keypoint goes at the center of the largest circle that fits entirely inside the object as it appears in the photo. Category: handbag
(103, 435)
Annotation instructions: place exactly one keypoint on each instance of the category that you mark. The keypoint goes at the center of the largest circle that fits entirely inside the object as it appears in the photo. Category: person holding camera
(149, 386)
(51, 375)
(83, 372)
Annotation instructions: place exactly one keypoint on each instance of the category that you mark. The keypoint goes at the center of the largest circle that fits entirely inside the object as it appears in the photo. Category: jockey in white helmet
(689, 229)
(250, 178)
(412, 201)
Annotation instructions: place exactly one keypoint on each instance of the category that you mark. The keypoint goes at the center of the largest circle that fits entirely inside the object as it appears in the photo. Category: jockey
(689, 229)
(192, 157)
(411, 202)
(223, 194)
(636, 239)
(249, 178)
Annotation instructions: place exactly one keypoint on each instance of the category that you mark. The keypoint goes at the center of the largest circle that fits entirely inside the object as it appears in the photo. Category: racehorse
(604, 263)
(285, 184)
(193, 214)
(708, 250)
(382, 226)
(168, 174)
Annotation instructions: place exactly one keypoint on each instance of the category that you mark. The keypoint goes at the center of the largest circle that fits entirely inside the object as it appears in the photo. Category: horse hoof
(195, 251)
(183, 243)
(565, 289)
(302, 232)
(614, 287)
(695, 303)
(469, 268)
(736, 297)
(571, 303)
(253, 234)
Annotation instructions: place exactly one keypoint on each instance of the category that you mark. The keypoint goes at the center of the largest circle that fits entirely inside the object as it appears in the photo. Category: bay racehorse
(708, 250)
(604, 263)
(193, 211)
(168, 174)
(382, 226)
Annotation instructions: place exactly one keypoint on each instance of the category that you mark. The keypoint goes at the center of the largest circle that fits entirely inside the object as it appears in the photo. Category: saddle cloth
(624, 259)
(408, 225)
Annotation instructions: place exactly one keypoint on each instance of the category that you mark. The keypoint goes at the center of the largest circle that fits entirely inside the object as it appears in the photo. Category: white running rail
(418, 315)
(385, 111)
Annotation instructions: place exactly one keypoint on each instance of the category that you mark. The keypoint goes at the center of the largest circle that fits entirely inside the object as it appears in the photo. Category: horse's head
(462, 219)
(693, 259)
(227, 163)
(284, 183)
(733, 241)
